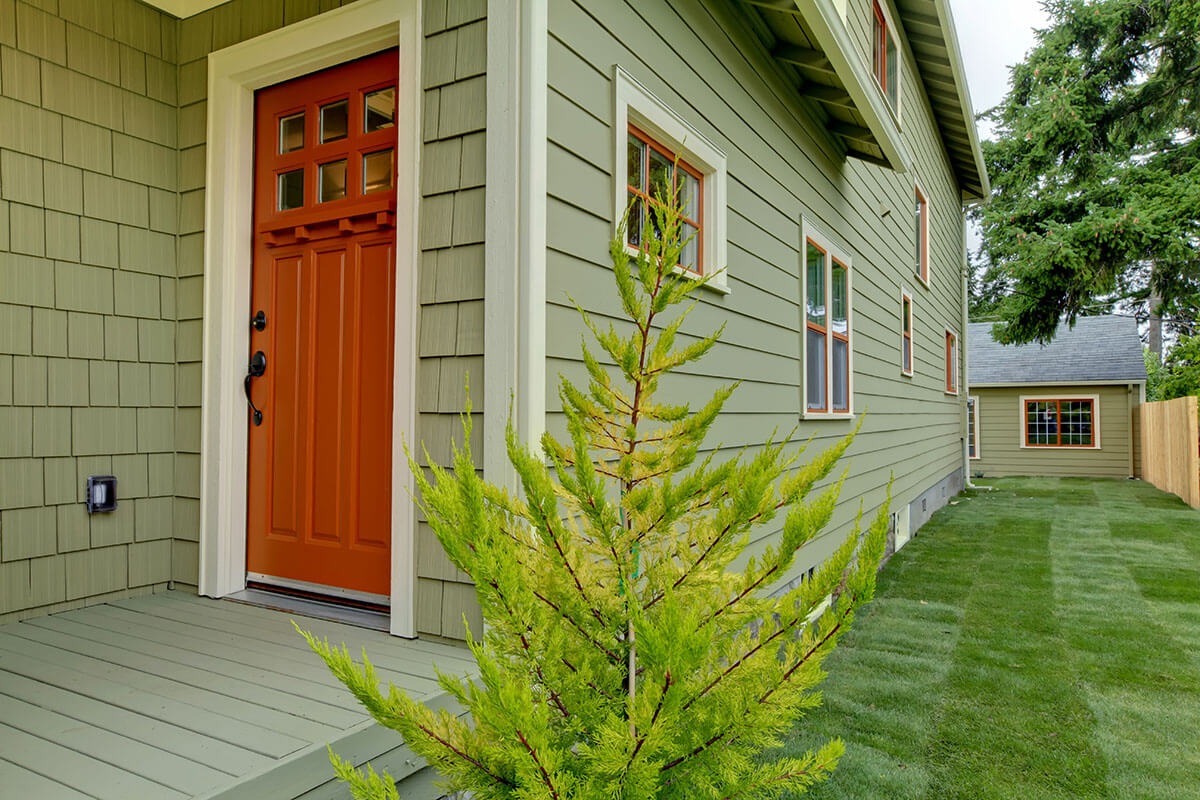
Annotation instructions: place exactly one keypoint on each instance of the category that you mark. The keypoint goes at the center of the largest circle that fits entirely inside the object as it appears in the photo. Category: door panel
(319, 503)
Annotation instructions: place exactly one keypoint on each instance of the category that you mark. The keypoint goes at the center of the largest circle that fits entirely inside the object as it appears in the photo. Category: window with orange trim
(827, 345)
(951, 363)
(1069, 422)
(655, 173)
(885, 63)
(921, 260)
(906, 334)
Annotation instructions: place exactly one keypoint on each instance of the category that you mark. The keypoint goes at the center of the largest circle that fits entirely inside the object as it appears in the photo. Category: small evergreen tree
(624, 656)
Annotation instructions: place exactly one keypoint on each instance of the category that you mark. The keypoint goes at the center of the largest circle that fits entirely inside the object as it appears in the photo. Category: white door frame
(233, 76)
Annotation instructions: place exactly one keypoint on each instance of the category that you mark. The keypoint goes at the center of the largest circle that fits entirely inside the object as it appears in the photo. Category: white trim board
(234, 74)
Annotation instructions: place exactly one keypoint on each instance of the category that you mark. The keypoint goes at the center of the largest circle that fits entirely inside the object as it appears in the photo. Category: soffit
(929, 27)
(809, 39)
(184, 8)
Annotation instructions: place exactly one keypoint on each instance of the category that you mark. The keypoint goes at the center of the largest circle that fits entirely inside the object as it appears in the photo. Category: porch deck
(177, 696)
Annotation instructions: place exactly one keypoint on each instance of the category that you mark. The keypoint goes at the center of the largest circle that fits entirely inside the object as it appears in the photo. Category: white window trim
(973, 423)
(234, 74)
(1095, 398)
(957, 364)
(885, 7)
(810, 231)
(926, 278)
(635, 103)
(905, 294)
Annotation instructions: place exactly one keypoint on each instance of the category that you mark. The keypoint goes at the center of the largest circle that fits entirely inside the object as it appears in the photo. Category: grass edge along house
(407, 190)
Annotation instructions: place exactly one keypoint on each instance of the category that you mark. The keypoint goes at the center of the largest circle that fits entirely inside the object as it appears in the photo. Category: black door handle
(258, 365)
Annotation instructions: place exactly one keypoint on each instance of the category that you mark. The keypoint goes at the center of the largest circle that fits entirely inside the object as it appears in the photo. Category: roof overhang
(929, 27)
(810, 38)
(1027, 384)
(184, 8)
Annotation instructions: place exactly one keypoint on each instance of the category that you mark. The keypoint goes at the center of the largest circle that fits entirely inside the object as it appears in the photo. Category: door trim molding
(233, 75)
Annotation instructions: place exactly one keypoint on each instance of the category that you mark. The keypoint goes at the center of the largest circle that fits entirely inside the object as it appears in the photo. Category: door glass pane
(333, 181)
(838, 288)
(815, 370)
(335, 121)
(841, 375)
(690, 257)
(815, 278)
(635, 153)
(380, 109)
(291, 133)
(291, 189)
(377, 171)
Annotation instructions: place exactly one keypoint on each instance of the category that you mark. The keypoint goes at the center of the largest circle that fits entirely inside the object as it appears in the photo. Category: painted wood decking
(176, 696)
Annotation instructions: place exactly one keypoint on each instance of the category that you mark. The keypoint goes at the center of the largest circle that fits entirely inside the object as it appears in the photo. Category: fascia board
(950, 35)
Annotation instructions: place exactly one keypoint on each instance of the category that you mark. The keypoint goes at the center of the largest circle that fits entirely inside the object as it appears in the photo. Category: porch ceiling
(176, 696)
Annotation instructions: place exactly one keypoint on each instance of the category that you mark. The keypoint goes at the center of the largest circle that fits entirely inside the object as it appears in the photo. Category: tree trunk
(1156, 339)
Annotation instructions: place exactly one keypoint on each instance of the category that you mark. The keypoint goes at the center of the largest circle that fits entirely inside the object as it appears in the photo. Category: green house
(249, 249)
(1064, 408)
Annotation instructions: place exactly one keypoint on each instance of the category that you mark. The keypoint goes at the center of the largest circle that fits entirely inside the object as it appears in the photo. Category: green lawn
(1037, 641)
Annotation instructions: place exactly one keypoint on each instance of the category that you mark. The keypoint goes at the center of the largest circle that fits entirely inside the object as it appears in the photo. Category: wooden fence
(1169, 435)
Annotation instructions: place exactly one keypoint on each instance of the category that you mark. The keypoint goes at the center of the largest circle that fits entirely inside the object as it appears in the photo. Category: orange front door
(319, 505)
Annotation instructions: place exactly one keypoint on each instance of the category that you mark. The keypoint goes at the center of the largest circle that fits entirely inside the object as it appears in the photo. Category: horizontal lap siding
(1001, 434)
(700, 59)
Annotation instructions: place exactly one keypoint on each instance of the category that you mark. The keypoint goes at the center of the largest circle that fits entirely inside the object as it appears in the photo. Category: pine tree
(1096, 168)
(625, 656)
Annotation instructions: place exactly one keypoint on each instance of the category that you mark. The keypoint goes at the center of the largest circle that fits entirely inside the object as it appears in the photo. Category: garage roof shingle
(1096, 349)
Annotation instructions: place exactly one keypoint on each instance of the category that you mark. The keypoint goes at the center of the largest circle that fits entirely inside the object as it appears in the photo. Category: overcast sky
(993, 36)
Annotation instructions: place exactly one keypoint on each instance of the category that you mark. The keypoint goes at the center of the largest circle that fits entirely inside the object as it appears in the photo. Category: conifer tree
(629, 653)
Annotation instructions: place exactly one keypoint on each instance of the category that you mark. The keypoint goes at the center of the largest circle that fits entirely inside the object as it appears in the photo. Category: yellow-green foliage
(617, 557)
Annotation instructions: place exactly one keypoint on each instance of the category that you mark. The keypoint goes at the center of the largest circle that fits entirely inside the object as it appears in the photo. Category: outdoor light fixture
(101, 493)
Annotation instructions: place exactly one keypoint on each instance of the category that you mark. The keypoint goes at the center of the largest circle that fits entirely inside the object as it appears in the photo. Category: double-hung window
(921, 256)
(656, 174)
(827, 342)
(972, 427)
(906, 334)
(1060, 422)
(951, 362)
(659, 152)
(885, 61)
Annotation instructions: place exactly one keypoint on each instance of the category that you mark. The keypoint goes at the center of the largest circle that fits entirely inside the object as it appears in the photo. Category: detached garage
(1063, 408)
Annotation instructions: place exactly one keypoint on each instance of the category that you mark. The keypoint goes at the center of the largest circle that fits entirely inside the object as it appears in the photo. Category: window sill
(816, 416)
(923, 281)
(904, 374)
(719, 283)
(1060, 447)
(950, 392)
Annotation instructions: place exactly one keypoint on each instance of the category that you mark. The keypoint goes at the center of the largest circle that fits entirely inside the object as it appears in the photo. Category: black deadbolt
(259, 321)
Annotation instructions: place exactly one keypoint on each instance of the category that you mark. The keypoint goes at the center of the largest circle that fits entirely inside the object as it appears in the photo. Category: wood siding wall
(706, 63)
(102, 161)
(1169, 437)
(1001, 433)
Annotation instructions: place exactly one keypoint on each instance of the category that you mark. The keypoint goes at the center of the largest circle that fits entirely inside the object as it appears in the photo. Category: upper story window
(657, 151)
(1055, 422)
(906, 334)
(885, 61)
(921, 260)
(654, 173)
(951, 362)
(827, 343)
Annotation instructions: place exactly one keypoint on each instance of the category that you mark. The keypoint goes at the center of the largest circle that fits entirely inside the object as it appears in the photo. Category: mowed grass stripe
(1041, 640)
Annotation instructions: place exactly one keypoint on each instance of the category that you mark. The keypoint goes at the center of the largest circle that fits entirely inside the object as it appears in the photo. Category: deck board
(176, 696)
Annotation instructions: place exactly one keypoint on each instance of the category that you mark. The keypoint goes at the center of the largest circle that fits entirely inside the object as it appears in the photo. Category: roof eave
(827, 25)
